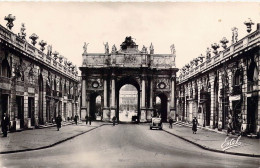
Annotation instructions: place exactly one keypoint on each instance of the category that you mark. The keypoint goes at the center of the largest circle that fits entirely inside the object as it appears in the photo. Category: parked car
(156, 123)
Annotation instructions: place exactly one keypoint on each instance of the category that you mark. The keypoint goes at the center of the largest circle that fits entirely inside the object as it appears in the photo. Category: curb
(211, 149)
(50, 126)
(51, 145)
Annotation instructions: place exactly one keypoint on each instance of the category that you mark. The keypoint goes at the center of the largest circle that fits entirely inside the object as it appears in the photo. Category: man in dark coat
(170, 122)
(58, 122)
(114, 120)
(194, 125)
(76, 119)
(86, 119)
(5, 124)
(90, 118)
(229, 124)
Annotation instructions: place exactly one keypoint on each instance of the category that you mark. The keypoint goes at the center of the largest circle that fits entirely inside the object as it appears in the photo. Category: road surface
(125, 145)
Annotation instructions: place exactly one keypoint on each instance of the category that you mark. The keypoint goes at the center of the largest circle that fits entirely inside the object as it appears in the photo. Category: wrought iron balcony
(252, 86)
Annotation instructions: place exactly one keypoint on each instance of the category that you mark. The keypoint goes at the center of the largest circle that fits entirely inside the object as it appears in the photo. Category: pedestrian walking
(58, 122)
(86, 119)
(5, 124)
(194, 125)
(90, 118)
(76, 119)
(114, 120)
(170, 122)
(229, 124)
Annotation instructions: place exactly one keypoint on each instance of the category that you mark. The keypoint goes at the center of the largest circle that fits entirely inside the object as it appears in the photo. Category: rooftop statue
(106, 47)
(234, 35)
(208, 54)
(22, 33)
(151, 49)
(85, 47)
(114, 50)
(144, 49)
(172, 49)
(49, 50)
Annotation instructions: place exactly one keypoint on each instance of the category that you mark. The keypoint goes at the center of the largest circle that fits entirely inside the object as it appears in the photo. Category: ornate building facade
(128, 98)
(105, 73)
(34, 86)
(225, 85)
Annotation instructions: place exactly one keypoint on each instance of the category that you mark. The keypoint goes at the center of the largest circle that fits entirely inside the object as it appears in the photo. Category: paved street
(125, 145)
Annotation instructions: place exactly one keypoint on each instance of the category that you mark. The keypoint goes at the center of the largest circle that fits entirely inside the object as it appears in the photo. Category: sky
(190, 26)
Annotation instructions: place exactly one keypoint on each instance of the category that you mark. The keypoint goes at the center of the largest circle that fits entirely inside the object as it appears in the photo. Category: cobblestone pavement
(42, 138)
(213, 140)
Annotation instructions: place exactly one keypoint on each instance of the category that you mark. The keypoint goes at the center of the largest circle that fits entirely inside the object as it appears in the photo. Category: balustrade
(12, 38)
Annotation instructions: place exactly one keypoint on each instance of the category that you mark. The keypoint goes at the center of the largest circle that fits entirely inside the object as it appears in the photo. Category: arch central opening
(128, 100)
(128, 103)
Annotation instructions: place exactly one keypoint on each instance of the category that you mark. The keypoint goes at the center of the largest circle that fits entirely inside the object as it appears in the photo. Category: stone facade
(105, 73)
(225, 84)
(34, 87)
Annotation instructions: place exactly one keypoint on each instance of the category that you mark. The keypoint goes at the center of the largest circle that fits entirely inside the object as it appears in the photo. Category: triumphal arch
(153, 75)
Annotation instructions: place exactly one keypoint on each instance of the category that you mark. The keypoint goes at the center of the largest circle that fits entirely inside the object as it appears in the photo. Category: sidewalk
(43, 138)
(212, 140)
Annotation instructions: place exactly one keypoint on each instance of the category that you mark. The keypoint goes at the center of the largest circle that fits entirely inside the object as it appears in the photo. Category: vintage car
(156, 123)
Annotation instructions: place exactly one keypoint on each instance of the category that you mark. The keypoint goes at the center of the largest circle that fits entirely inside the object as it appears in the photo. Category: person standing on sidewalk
(229, 124)
(89, 119)
(170, 122)
(114, 120)
(194, 125)
(58, 122)
(86, 119)
(5, 124)
(76, 119)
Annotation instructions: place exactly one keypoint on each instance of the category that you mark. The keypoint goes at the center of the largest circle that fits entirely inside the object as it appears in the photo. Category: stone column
(143, 93)
(185, 102)
(220, 111)
(172, 103)
(143, 105)
(105, 109)
(105, 93)
(113, 97)
(151, 93)
(88, 105)
(173, 93)
(113, 93)
(150, 109)
(27, 121)
(83, 94)
(244, 103)
(212, 101)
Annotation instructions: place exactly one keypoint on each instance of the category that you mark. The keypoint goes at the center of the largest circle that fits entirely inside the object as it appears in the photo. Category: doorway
(31, 110)
(20, 109)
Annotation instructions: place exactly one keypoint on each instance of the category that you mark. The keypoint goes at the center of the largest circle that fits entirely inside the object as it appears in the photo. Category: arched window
(252, 73)
(237, 78)
(48, 87)
(6, 71)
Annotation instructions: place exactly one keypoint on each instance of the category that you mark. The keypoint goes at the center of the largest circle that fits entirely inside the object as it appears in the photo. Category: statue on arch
(49, 50)
(106, 47)
(85, 47)
(151, 49)
(234, 35)
(172, 49)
